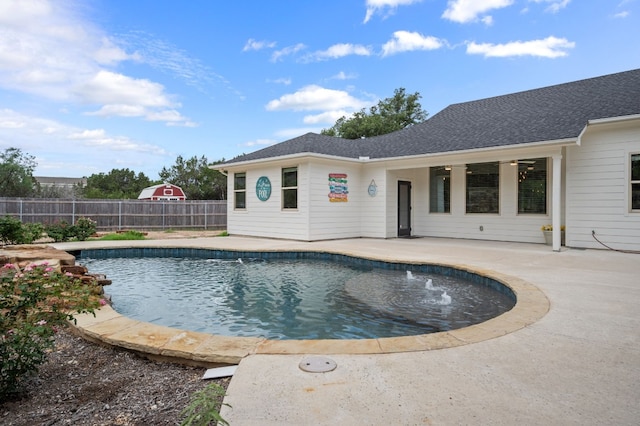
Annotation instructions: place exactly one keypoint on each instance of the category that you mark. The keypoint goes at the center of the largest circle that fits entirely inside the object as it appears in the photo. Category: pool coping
(162, 343)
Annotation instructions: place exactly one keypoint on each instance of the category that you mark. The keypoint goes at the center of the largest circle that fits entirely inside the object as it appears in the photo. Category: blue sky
(95, 85)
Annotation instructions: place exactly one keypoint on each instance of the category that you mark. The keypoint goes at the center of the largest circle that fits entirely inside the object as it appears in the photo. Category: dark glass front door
(404, 208)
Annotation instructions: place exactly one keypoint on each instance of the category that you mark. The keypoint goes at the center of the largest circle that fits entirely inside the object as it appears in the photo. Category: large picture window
(240, 190)
(532, 186)
(290, 188)
(635, 182)
(483, 188)
(440, 189)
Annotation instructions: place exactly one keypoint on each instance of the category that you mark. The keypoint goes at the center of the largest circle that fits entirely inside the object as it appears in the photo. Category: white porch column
(556, 201)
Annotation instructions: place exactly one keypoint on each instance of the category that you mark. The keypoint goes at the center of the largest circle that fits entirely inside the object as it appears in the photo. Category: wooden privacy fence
(120, 214)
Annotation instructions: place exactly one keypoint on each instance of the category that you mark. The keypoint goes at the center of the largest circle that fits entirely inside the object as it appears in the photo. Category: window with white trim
(240, 190)
(532, 186)
(635, 182)
(440, 189)
(483, 187)
(290, 188)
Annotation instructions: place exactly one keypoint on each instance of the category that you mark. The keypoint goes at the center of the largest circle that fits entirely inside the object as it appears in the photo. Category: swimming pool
(293, 295)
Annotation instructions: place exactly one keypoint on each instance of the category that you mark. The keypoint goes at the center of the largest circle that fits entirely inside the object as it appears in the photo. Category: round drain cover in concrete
(317, 364)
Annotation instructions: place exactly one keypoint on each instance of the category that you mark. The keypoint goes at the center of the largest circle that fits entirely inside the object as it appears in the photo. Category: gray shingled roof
(546, 114)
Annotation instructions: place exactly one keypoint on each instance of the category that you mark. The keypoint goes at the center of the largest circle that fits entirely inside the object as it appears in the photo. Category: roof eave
(529, 145)
(284, 159)
(607, 120)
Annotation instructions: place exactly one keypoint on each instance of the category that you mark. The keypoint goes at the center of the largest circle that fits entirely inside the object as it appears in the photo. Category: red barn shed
(164, 191)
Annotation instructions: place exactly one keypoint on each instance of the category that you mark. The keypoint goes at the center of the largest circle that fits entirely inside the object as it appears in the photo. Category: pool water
(293, 298)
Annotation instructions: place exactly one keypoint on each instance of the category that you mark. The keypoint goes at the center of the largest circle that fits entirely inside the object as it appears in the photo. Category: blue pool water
(296, 298)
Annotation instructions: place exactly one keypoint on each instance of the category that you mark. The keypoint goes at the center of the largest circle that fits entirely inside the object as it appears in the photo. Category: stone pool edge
(162, 343)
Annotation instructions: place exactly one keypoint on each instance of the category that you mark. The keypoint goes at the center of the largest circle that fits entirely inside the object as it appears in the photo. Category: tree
(16, 174)
(389, 115)
(117, 184)
(197, 180)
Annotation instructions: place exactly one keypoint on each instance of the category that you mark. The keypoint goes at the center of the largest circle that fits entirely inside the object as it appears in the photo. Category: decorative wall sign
(263, 188)
(338, 188)
(373, 188)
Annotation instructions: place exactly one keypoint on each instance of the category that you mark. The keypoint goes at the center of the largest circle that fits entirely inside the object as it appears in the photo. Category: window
(240, 190)
(290, 188)
(635, 182)
(483, 188)
(440, 189)
(532, 186)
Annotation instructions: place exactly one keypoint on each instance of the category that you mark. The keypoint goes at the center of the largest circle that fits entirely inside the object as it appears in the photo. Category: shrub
(59, 230)
(33, 303)
(12, 231)
(83, 229)
(31, 232)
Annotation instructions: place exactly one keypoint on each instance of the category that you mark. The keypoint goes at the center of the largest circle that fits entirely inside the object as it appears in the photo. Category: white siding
(598, 188)
(372, 212)
(267, 218)
(333, 220)
(507, 225)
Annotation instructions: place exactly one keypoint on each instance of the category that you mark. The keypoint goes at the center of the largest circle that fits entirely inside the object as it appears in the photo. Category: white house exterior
(493, 169)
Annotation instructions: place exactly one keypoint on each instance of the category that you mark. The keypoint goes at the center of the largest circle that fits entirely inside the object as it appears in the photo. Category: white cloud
(109, 54)
(554, 5)
(260, 143)
(108, 87)
(378, 6)
(487, 20)
(550, 47)
(464, 11)
(405, 41)
(49, 50)
(283, 80)
(252, 44)
(167, 58)
(344, 76)
(289, 50)
(316, 98)
(338, 51)
(54, 141)
(122, 96)
(326, 117)
(623, 14)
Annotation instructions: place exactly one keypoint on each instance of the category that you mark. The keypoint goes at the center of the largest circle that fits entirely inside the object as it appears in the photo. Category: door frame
(404, 232)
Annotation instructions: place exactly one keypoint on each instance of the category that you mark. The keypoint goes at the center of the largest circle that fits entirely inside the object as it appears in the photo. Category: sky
(88, 86)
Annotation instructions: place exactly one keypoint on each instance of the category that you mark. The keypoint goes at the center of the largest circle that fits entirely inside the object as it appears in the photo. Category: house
(60, 187)
(492, 169)
(164, 191)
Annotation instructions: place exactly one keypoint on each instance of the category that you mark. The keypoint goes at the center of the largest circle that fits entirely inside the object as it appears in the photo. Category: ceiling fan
(516, 162)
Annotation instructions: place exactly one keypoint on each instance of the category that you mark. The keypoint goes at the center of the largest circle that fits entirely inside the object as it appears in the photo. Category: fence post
(163, 215)
(20, 209)
(73, 211)
(205, 214)
(119, 215)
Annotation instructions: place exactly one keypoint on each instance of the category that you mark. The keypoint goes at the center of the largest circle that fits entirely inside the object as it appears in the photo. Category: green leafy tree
(16, 174)
(196, 178)
(117, 184)
(391, 114)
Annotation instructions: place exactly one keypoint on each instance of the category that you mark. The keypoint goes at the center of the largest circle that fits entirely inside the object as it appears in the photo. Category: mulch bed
(87, 384)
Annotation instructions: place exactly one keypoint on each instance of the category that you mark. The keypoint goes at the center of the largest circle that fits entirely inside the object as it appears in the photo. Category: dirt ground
(86, 384)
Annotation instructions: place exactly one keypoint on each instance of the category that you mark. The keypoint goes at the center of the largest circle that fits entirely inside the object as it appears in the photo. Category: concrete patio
(578, 364)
